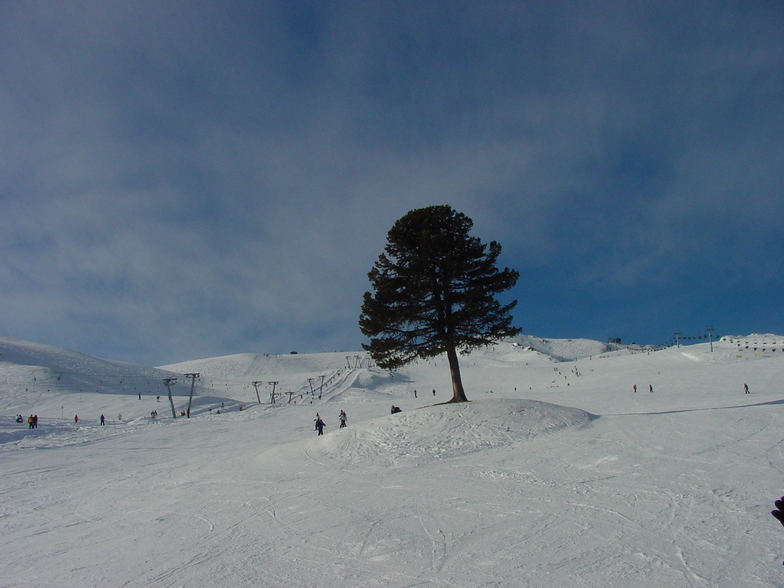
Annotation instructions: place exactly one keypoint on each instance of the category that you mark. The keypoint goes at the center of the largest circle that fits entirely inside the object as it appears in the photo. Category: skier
(343, 418)
(746, 389)
(76, 419)
(316, 420)
(320, 426)
(19, 418)
(650, 387)
(103, 419)
(30, 422)
(635, 388)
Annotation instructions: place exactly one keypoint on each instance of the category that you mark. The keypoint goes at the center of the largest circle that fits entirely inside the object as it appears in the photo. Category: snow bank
(445, 431)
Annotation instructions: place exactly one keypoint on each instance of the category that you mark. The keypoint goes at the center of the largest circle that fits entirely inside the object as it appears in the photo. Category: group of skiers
(320, 424)
(32, 420)
(343, 418)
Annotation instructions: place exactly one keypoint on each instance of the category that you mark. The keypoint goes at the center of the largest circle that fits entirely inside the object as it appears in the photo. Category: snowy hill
(556, 474)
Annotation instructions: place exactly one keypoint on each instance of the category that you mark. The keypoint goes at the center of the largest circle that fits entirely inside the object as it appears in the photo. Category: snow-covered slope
(557, 474)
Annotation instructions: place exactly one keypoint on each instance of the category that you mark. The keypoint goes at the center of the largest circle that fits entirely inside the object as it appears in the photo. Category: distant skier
(30, 422)
(315, 421)
(103, 420)
(19, 418)
(650, 387)
(320, 426)
(35, 421)
(434, 391)
(396, 409)
(635, 388)
(343, 418)
(746, 389)
(76, 419)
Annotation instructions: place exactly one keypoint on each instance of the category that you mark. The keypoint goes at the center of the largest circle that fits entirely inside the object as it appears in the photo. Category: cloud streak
(183, 180)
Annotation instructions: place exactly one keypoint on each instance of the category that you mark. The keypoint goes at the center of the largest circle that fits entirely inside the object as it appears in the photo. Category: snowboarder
(320, 426)
(103, 420)
(343, 418)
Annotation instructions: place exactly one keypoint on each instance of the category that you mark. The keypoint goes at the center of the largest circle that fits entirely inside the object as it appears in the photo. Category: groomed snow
(556, 474)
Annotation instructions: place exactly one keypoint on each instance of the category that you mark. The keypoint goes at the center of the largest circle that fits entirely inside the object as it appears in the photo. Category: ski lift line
(207, 384)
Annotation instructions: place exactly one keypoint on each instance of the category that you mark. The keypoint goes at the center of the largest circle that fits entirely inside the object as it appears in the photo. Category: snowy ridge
(61, 361)
(559, 349)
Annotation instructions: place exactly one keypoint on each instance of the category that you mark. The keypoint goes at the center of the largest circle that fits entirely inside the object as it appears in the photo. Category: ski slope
(556, 474)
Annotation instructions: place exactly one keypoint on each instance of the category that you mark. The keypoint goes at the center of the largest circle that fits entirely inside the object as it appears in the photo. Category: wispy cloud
(189, 179)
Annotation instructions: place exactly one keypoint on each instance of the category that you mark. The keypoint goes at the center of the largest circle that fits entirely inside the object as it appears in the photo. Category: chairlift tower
(710, 336)
(193, 383)
(169, 382)
(256, 386)
(272, 393)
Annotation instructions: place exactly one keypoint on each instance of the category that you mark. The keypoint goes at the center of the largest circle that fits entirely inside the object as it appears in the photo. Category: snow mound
(445, 431)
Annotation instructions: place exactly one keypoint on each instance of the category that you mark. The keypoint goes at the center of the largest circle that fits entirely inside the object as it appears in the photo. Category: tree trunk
(458, 394)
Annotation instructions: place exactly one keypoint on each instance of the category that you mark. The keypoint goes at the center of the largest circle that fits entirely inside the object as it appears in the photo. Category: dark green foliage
(435, 288)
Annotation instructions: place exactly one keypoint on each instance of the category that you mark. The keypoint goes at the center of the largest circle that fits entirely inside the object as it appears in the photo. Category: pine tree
(435, 288)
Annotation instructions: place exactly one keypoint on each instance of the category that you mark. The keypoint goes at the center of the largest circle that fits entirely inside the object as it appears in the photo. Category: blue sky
(183, 179)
